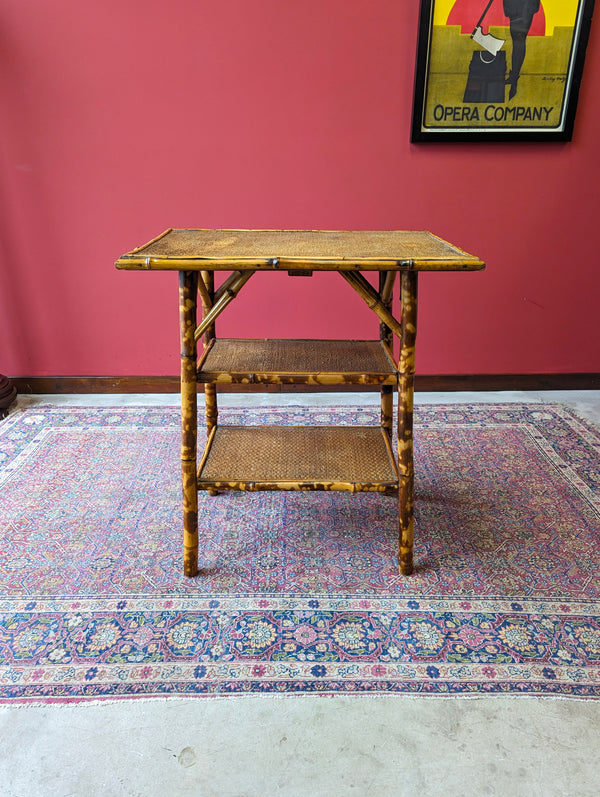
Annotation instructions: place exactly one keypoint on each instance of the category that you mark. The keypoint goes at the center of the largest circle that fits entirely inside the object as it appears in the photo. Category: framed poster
(499, 70)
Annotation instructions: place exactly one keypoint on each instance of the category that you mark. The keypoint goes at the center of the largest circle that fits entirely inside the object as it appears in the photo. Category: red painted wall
(124, 117)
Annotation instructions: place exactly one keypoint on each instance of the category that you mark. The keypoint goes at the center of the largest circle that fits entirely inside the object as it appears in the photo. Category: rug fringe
(83, 703)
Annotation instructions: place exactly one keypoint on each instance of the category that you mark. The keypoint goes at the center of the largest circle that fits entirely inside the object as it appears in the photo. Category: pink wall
(125, 117)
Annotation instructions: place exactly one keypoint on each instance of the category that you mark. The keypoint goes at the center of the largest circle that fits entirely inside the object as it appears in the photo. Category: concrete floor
(307, 746)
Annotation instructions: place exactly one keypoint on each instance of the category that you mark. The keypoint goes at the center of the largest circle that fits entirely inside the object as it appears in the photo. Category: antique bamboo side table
(297, 458)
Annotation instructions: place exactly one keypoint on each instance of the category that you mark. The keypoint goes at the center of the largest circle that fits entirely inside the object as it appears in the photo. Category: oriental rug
(299, 592)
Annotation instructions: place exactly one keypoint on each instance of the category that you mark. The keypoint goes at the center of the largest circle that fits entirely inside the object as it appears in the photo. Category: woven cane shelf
(310, 362)
(357, 458)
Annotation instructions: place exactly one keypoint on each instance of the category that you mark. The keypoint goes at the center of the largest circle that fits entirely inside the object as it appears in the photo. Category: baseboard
(96, 384)
(480, 382)
(423, 383)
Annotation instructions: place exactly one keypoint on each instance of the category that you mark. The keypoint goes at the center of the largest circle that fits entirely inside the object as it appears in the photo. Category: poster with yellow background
(498, 65)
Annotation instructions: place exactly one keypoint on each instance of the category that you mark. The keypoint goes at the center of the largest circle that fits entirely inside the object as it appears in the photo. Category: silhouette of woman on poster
(520, 13)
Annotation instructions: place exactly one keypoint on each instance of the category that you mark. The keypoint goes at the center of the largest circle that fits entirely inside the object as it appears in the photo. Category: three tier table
(373, 458)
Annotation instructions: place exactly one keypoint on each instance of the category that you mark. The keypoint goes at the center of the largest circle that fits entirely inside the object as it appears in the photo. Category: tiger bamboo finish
(366, 291)
(268, 457)
(188, 286)
(206, 289)
(294, 486)
(206, 284)
(197, 254)
(386, 286)
(406, 369)
(302, 362)
(221, 299)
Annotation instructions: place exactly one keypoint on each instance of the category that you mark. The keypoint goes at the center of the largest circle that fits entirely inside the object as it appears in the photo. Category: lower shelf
(346, 458)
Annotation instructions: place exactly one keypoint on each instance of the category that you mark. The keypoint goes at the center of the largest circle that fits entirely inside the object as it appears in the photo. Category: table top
(297, 250)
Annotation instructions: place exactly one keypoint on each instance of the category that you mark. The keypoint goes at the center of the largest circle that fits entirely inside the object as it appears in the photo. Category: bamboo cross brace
(225, 294)
(367, 292)
(230, 284)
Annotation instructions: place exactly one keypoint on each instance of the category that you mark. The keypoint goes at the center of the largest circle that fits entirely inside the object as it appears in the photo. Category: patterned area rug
(299, 592)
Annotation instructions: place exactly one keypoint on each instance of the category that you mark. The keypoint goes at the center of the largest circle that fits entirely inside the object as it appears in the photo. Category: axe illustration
(486, 40)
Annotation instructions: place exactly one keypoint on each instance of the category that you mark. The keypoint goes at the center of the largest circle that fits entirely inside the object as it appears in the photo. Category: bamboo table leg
(210, 390)
(406, 368)
(386, 335)
(188, 287)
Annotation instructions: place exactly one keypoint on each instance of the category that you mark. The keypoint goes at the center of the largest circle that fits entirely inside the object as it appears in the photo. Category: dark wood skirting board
(423, 383)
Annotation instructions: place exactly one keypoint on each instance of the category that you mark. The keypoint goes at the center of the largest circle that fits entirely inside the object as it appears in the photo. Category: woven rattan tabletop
(298, 249)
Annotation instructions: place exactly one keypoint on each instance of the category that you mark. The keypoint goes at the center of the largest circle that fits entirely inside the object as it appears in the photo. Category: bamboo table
(297, 458)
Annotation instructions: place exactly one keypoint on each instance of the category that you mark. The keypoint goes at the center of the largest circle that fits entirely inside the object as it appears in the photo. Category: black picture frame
(464, 80)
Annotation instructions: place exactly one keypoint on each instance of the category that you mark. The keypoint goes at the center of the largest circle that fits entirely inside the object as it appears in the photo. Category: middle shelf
(308, 362)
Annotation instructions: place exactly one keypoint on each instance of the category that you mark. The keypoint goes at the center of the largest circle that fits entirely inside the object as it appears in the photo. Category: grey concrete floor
(307, 746)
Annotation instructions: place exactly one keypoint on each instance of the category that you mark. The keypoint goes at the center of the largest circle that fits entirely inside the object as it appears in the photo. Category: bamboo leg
(387, 408)
(212, 410)
(188, 286)
(210, 390)
(406, 368)
(387, 336)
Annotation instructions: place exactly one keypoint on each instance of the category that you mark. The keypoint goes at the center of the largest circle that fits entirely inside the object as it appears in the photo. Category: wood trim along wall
(423, 383)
